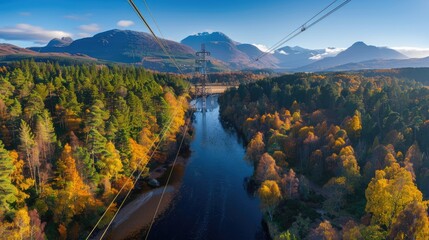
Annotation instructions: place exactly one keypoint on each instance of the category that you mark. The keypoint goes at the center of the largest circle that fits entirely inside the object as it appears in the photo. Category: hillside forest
(70, 136)
(338, 155)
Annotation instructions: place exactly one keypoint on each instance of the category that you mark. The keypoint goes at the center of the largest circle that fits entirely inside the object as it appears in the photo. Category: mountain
(384, 64)
(63, 42)
(8, 49)
(358, 52)
(294, 57)
(9, 52)
(235, 54)
(54, 44)
(125, 46)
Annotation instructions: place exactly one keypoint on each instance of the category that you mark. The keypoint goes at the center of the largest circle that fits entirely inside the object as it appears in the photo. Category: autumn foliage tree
(256, 147)
(73, 194)
(270, 195)
(393, 189)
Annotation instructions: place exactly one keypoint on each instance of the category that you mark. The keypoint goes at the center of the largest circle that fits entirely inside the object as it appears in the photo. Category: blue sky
(393, 23)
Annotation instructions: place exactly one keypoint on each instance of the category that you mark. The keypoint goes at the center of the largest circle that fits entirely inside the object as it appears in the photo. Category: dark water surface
(212, 202)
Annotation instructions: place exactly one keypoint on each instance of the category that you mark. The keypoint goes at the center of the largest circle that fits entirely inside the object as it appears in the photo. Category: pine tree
(8, 191)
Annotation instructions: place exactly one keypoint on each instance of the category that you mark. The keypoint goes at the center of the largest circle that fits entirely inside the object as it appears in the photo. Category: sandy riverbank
(138, 214)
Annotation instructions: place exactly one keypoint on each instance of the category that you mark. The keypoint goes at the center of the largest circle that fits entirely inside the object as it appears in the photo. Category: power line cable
(129, 191)
(166, 184)
(156, 25)
(303, 27)
(300, 27)
(162, 134)
(136, 9)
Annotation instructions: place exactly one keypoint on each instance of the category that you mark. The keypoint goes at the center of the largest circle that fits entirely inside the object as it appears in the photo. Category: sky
(400, 24)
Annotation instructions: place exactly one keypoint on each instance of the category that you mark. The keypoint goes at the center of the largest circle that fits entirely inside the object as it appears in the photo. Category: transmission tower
(201, 69)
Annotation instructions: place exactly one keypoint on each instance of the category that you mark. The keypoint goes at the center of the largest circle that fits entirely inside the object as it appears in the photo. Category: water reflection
(213, 202)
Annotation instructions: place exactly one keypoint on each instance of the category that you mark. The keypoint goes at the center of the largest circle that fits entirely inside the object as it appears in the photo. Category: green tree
(8, 191)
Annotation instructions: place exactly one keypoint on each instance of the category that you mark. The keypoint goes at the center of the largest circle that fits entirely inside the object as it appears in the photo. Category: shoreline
(136, 215)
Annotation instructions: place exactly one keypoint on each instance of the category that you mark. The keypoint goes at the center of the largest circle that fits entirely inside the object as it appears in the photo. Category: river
(212, 202)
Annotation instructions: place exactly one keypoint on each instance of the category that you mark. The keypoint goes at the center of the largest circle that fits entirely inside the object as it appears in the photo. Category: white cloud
(413, 52)
(329, 52)
(27, 32)
(261, 47)
(93, 27)
(124, 23)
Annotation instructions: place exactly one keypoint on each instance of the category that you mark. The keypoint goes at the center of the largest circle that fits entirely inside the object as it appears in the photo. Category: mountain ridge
(358, 52)
(132, 47)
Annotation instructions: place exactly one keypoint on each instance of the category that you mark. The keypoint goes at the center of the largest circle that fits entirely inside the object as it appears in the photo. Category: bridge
(213, 88)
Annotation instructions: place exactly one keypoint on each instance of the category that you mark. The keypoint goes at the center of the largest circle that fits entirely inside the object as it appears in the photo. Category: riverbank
(138, 214)
(213, 201)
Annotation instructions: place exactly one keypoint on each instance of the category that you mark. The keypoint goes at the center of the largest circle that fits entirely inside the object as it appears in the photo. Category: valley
(246, 119)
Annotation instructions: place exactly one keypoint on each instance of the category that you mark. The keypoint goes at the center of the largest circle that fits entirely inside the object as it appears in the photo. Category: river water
(212, 202)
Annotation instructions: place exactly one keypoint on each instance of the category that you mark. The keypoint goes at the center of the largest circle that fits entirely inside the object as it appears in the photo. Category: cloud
(124, 23)
(261, 47)
(329, 52)
(413, 52)
(93, 27)
(27, 32)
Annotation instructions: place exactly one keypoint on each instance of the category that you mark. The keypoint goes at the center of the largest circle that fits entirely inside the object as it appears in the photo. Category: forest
(71, 135)
(337, 155)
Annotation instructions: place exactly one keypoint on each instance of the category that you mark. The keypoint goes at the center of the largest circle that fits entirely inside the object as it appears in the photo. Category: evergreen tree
(8, 191)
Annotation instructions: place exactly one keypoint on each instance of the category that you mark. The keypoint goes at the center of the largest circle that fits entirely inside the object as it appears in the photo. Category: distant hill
(417, 74)
(119, 46)
(383, 64)
(8, 49)
(125, 46)
(294, 57)
(9, 52)
(235, 54)
(131, 47)
(357, 53)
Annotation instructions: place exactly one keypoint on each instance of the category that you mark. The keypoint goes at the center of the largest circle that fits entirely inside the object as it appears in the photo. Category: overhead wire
(157, 26)
(162, 134)
(164, 131)
(303, 27)
(300, 27)
(168, 181)
(158, 41)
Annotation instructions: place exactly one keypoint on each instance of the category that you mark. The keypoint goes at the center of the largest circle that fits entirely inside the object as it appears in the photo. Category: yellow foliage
(270, 195)
(138, 154)
(18, 178)
(73, 195)
(346, 151)
(296, 116)
(389, 192)
(110, 164)
(256, 147)
(304, 131)
(19, 228)
(353, 125)
(339, 143)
